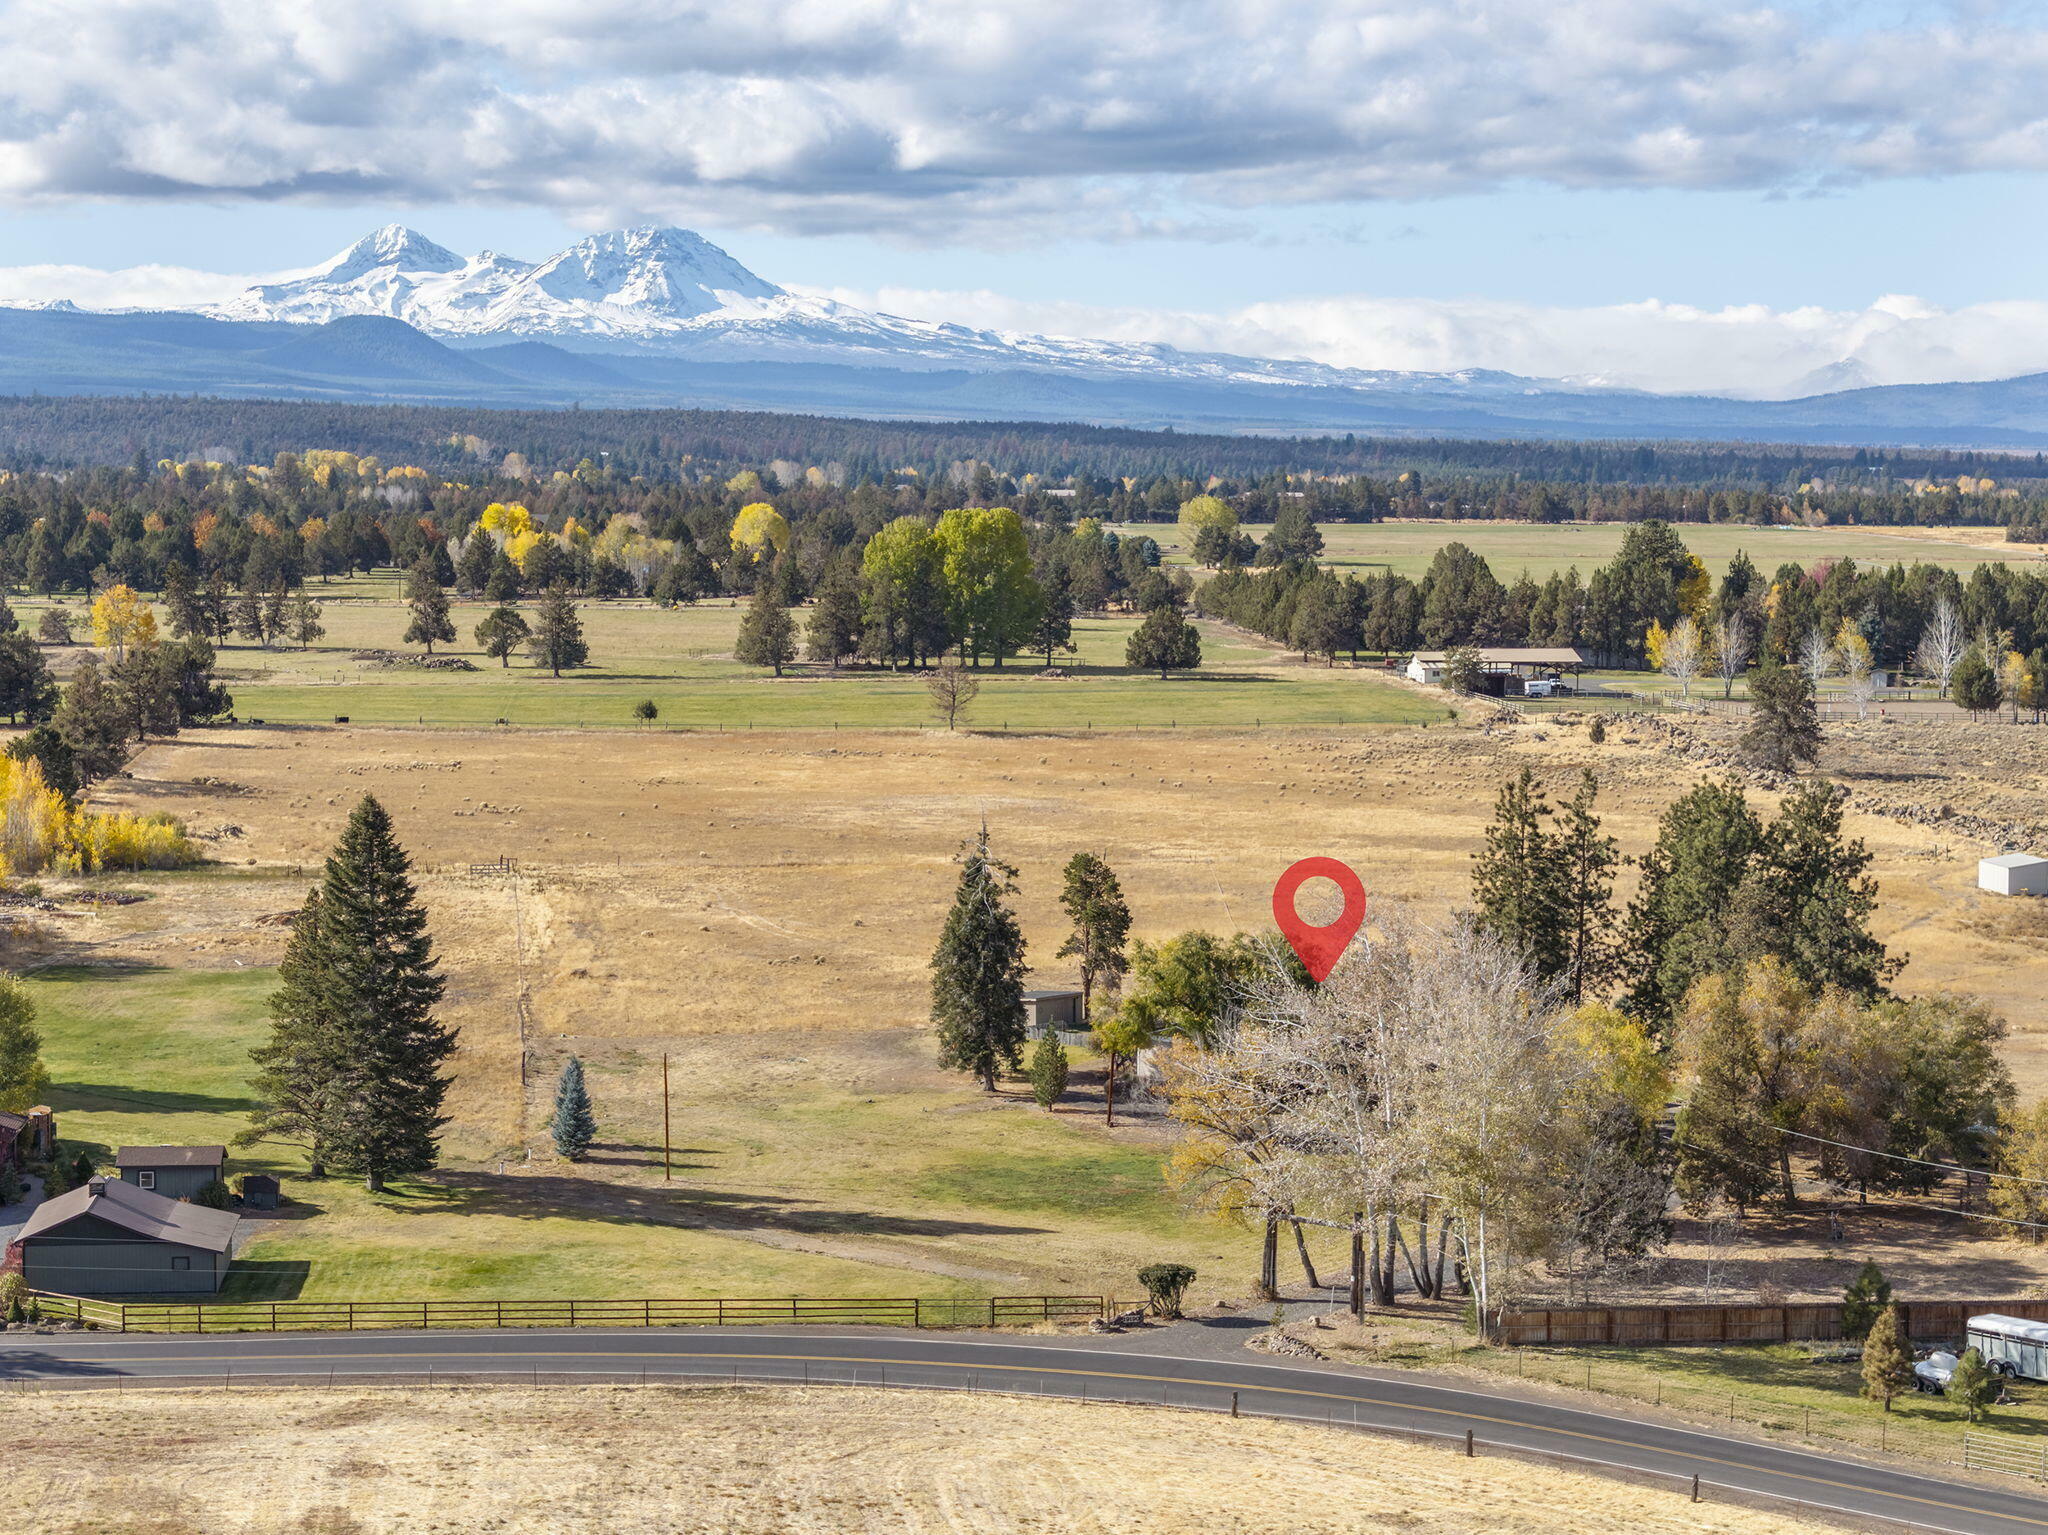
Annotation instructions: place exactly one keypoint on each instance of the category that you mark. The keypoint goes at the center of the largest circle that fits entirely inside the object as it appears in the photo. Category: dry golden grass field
(760, 907)
(716, 1461)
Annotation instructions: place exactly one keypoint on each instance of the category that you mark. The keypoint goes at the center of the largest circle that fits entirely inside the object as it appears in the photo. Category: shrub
(11, 1186)
(215, 1195)
(1166, 1283)
(1972, 1387)
(1597, 731)
(14, 1298)
(1887, 1363)
(646, 710)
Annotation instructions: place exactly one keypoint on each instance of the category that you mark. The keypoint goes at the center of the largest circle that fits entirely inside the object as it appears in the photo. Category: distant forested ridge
(1125, 471)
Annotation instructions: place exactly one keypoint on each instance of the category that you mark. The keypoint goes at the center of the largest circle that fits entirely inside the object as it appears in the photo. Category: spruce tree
(767, 634)
(1094, 903)
(297, 1067)
(1048, 1069)
(978, 971)
(1868, 1297)
(572, 1124)
(428, 600)
(356, 1052)
(1887, 1362)
(1784, 726)
(558, 634)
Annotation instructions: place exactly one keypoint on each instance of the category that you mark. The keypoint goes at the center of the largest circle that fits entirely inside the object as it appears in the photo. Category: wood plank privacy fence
(352, 1316)
(1928, 1321)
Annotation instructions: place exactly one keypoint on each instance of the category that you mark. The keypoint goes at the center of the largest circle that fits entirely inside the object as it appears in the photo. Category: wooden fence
(1928, 1321)
(353, 1316)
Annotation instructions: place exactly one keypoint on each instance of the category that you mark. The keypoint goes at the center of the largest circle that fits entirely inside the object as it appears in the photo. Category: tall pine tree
(978, 971)
(1586, 862)
(297, 1068)
(355, 1036)
(572, 1124)
(1514, 877)
(558, 633)
(1677, 925)
(427, 599)
(1094, 903)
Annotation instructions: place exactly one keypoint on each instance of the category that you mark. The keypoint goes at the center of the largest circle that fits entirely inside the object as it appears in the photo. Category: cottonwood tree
(978, 970)
(1859, 675)
(558, 634)
(1941, 643)
(354, 1062)
(427, 602)
(1817, 656)
(1684, 655)
(1094, 904)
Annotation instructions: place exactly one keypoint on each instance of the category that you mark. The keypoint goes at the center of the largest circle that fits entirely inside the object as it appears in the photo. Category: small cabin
(112, 1238)
(177, 1172)
(2013, 874)
(1052, 1009)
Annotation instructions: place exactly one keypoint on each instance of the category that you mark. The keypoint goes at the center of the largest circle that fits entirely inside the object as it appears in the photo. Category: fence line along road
(424, 1315)
(1820, 1322)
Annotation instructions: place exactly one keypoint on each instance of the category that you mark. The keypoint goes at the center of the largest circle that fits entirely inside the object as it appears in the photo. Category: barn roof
(1509, 655)
(147, 1214)
(2013, 861)
(170, 1156)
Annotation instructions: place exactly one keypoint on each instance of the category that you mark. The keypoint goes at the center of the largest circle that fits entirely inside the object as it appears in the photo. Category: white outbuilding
(2013, 874)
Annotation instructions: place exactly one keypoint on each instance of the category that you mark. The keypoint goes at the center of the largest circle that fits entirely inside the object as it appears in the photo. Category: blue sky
(1378, 182)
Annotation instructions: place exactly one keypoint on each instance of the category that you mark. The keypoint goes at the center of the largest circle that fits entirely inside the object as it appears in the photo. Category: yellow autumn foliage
(39, 833)
(759, 528)
(506, 520)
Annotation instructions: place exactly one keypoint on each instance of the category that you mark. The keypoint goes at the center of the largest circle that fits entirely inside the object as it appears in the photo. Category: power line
(1947, 1167)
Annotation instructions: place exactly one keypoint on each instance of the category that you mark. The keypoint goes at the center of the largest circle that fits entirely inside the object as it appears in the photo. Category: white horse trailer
(2011, 1347)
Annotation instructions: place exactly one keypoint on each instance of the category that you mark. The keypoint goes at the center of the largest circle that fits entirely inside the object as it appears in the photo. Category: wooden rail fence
(1929, 1321)
(352, 1316)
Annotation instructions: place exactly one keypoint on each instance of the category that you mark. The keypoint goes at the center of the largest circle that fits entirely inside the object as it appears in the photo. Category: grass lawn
(786, 1180)
(1512, 547)
(681, 659)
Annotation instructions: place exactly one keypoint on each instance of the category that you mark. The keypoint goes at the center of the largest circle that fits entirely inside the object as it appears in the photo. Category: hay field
(761, 907)
(1408, 545)
(717, 1461)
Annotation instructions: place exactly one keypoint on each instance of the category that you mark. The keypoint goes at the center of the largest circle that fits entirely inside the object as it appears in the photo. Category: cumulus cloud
(934, 118)
(138, 287)
(1746, 349)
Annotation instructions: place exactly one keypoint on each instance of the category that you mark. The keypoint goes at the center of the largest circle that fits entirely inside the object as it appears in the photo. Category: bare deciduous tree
(1733, 647)
(952, 687)
(1817, 655)
(1685, 655)
(1941, 643)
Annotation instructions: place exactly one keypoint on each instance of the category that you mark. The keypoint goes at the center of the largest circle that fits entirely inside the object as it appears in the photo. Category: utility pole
(666, 1174)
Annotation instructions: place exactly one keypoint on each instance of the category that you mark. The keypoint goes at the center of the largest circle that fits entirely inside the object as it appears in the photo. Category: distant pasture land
(1407, 547)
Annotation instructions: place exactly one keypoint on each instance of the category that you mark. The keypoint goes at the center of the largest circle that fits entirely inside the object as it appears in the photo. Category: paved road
(1191, 1373)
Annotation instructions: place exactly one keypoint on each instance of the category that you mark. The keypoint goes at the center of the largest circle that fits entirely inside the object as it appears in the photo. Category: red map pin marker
(1319, 948)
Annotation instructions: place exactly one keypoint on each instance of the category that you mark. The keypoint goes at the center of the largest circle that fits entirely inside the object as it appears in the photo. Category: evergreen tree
(767, 634)
(428, 600)
(479, 557)
(1094, 903)
(1784, 726)
(92, 724)
(23, 1077)
(1808, 897)
(376, 1040)
(1586, 862)
(302, 623)
(46, 747)
(502, 631)
(558, 635)
(833, 632)
(1676, 930)
(298, 1067)
(1974, 686)
(1515, 878)
(142, 690)
(1293, 536)
(502, 584)
(27, 690)
(1617, 1192)
(978, 971)
(249, 615)
(1164, 642)
(572, 1124)
(1054, 631)
(1971, 1385)
(181, 597)
(1887, 1362)
(1868, 1297)
(185, 674)
(1048, 1069)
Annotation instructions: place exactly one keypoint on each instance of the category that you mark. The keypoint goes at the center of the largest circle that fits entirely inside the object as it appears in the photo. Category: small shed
(176, 1171)
(260, 1191)
(1050, 1009)
(2013, 874)
(112, 1238)
(30, 1137)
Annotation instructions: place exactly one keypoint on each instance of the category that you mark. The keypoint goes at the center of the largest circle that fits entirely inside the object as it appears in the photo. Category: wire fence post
(1695, 1486)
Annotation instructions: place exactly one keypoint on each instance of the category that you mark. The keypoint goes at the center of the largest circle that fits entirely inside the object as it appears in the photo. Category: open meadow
(720, 1461)
(759, 907)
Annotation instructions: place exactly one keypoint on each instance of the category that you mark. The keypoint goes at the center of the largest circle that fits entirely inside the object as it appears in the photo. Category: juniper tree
(558, 634)
(354, 1028)
(1971, 1385)
(1676, 929)
(1048, 1069)
(1975, 683)
(1784, 726)
(428, 601)
(1807, 898)
(1094, 903)
(27, 690)
(1887, 1362)
(572, 1124)
(1164, 642)
(502, 631)
(1868, 1297)
(978, 971)
(767, 634)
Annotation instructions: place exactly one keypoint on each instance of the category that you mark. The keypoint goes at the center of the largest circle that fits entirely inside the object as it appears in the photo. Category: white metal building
(2013, 874)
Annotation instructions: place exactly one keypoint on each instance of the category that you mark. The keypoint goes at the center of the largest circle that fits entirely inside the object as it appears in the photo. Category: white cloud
(933, 118)
(1744, 349)
(138, 287)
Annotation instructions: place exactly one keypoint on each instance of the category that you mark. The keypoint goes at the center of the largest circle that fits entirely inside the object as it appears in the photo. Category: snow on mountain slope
(671, 292)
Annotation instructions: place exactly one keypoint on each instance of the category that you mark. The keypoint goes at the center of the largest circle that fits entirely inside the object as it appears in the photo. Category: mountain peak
(655, 268)
(395, 247)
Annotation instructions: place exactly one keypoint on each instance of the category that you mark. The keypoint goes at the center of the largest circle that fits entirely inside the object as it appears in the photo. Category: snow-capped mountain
(672, 292)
